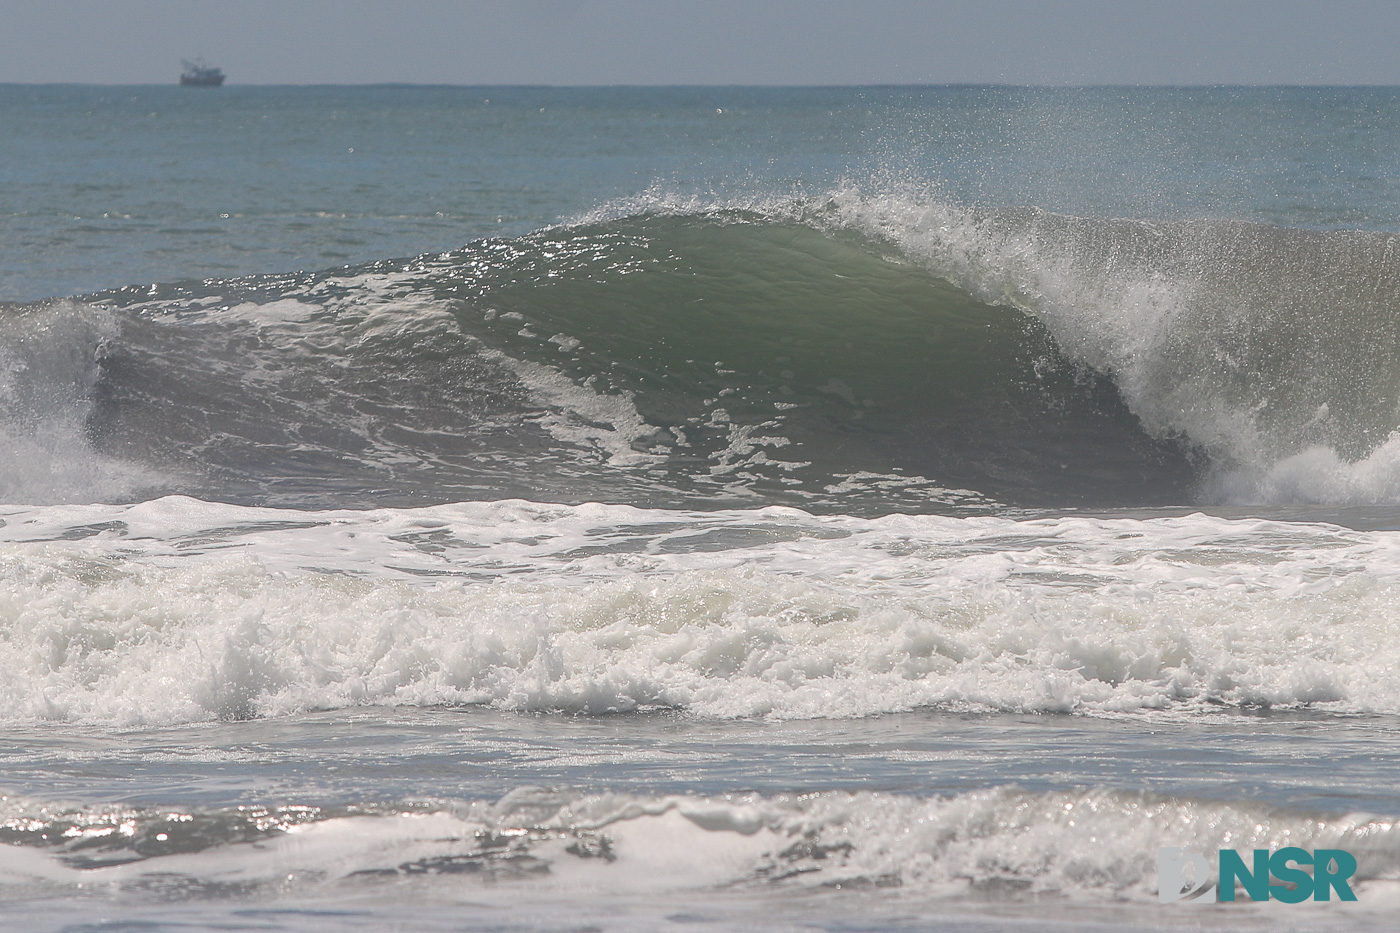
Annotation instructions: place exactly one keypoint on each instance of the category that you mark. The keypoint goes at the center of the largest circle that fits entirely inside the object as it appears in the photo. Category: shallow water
(728, 778)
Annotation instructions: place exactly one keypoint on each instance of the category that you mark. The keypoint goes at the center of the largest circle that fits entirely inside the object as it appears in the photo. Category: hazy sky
(705, 41)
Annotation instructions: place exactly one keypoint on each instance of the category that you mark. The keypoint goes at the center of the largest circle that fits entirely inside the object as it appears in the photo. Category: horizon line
(717, 86)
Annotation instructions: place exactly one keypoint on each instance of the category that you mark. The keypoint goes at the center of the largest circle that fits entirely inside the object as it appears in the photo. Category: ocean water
(840, 509)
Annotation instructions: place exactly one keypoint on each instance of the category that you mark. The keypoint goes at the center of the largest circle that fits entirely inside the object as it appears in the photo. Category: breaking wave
(859, 353)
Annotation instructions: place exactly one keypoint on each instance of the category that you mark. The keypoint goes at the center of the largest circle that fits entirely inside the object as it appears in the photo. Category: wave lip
(1272, 349)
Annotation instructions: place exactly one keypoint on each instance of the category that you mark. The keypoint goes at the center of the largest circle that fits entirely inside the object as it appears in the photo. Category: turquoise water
(724, 508)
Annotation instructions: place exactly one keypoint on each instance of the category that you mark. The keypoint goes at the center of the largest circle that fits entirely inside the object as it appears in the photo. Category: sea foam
(1090, 846)
(177, 611)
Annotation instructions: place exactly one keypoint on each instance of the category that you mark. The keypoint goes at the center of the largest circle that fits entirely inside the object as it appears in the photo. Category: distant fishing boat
(201, 75)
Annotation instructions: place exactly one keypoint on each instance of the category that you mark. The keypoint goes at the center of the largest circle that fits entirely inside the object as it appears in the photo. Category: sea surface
(696, 509)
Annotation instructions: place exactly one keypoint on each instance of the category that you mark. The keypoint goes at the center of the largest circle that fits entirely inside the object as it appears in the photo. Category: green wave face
(848, 357)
